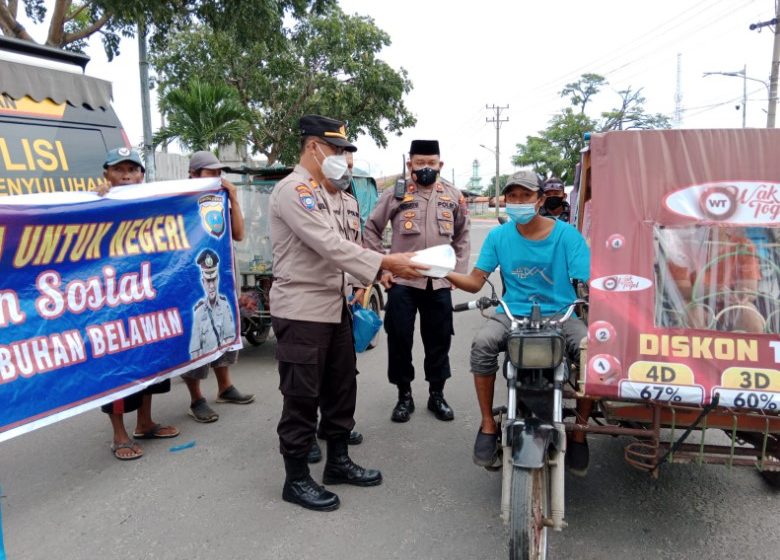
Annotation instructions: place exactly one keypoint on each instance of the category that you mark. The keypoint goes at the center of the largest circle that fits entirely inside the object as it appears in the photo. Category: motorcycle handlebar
(481, 303)
(485, 302)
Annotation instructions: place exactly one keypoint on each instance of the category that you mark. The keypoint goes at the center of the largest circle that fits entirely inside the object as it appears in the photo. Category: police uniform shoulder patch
(408, 198)
(306, 197)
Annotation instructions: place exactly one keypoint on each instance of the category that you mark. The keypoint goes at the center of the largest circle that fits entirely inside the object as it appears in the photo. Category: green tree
(202, 116)
(72, 22)
(556, 149)
(631, 114)
(583, 90)
(326, 64)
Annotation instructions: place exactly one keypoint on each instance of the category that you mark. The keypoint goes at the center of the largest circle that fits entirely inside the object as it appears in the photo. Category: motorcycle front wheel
(254, 332)
(529, 507)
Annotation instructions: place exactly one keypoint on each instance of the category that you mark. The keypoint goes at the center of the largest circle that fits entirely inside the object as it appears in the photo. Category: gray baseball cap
(524, 178)
(205, 160)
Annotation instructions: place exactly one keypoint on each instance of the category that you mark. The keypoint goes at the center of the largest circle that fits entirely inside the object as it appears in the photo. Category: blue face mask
(521, 213)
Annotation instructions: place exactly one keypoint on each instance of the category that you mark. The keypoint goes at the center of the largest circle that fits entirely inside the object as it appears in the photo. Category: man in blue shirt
(538, 257)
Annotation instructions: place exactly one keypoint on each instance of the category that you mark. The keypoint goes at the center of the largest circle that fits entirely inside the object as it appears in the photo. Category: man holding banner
(206, 164)
(309, 312)
(124, 166)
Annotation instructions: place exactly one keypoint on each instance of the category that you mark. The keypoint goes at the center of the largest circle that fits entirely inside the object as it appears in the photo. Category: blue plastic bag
(365, 324)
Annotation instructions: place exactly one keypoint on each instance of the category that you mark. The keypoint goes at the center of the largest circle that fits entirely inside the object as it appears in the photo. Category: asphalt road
(66, 497)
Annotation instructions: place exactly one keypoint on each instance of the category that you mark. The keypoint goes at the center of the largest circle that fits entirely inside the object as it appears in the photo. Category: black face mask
(553, 202)
(425, 176)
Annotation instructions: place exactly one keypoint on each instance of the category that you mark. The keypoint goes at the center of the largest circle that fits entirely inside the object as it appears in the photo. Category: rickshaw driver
(538, 257)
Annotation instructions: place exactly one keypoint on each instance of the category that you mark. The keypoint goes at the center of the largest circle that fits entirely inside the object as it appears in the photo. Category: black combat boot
(339, 468)
(404, 407)
(315, 453)
(439, 406)
(300, 488)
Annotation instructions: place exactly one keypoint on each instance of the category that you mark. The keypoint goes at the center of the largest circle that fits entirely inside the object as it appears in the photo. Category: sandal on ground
(158, 431)
(137, 452)
(233, 395)
(202, 412)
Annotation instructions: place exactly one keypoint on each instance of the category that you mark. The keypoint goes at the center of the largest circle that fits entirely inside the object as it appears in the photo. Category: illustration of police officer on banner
(213, 323)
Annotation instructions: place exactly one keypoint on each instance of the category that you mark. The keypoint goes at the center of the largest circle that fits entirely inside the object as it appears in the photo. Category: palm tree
(202, 115)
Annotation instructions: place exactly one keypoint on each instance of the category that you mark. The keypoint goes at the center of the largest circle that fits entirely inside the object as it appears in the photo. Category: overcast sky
(464, 56)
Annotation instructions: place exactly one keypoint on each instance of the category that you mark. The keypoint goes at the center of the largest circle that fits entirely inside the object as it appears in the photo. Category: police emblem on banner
(212, 214)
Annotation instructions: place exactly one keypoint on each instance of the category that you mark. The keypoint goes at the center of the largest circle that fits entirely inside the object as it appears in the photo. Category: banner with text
(101, 297)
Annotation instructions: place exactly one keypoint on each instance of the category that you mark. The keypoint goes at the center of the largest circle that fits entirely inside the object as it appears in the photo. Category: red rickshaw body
(660, 194)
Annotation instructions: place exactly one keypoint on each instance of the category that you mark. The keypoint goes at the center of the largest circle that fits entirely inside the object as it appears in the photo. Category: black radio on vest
(400, 185)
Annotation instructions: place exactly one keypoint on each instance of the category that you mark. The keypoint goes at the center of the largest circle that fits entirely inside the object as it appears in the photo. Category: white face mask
(333, 167)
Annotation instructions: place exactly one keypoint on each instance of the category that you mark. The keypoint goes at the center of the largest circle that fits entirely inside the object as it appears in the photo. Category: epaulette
(200, 304)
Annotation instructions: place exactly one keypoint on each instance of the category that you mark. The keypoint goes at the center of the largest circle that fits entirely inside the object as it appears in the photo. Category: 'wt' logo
(719, 203)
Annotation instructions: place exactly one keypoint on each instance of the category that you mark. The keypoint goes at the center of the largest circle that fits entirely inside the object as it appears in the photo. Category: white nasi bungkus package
(441, 260)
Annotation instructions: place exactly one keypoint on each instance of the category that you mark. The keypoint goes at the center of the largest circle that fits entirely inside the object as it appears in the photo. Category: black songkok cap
(332, 131)
(424, 148)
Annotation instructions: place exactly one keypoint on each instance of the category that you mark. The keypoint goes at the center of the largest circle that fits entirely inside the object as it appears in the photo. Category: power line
(628, 47)
(674, 41)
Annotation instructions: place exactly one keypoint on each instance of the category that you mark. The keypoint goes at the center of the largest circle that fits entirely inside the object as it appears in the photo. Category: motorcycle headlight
(535, 351)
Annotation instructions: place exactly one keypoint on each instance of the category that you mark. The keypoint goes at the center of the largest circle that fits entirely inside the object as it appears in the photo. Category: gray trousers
(492, 336)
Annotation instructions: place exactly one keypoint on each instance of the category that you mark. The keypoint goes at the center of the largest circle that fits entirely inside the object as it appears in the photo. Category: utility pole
(146, 113)
(770, 117)
(771, 109)
(497, 120)
(678, 111)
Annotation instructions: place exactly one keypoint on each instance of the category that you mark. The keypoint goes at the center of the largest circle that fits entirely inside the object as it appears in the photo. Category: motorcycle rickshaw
(682, 358)
(254, 254)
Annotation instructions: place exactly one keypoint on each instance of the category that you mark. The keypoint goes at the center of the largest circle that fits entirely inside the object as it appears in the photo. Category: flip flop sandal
(233, 395)
(137, 451)
(156, 433)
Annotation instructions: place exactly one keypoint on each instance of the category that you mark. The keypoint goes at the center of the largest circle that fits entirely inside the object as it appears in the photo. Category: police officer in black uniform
(555, 205)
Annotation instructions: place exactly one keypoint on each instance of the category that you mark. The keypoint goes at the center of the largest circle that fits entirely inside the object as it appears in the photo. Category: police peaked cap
(208, 261)
(424, 148)
(332, 131)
